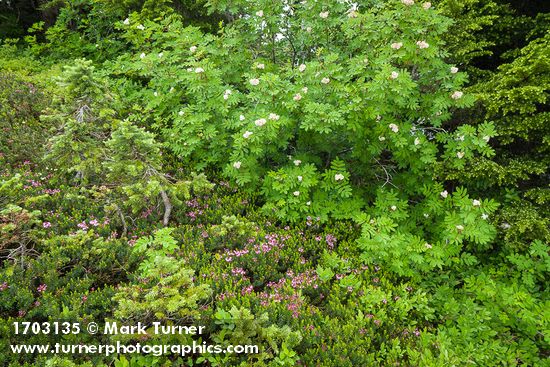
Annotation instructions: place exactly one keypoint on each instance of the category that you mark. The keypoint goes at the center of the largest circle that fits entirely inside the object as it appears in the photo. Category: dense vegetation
(342, 184)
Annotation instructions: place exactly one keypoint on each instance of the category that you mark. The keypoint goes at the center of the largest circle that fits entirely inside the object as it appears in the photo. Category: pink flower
(42, 288)
(46, 224)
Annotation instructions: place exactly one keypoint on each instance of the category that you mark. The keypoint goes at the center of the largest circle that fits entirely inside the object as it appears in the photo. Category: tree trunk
(167, 207)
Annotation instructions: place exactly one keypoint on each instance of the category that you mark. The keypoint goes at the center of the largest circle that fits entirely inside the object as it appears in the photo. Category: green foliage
(365, 205)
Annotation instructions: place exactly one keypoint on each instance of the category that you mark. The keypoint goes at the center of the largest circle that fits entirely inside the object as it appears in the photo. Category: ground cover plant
(340, 183)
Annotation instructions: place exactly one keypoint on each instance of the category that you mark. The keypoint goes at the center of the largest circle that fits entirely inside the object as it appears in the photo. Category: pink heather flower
(247, 290)
(46, 224)
(82, 226)
(254, 81)
(454, 70)
(42, 288)
(94, 222)
(427, 5)
(397, 45)
(331, 240)
(297, 97)
(422, 44)
(4, 286)
(394, 75)
(324, 14)
(457, 95)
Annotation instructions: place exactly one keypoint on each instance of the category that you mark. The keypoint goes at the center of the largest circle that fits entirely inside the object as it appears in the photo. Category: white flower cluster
(260, 122)
(422, 44)
(226, 94)
(397, 45)
(457, 95)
